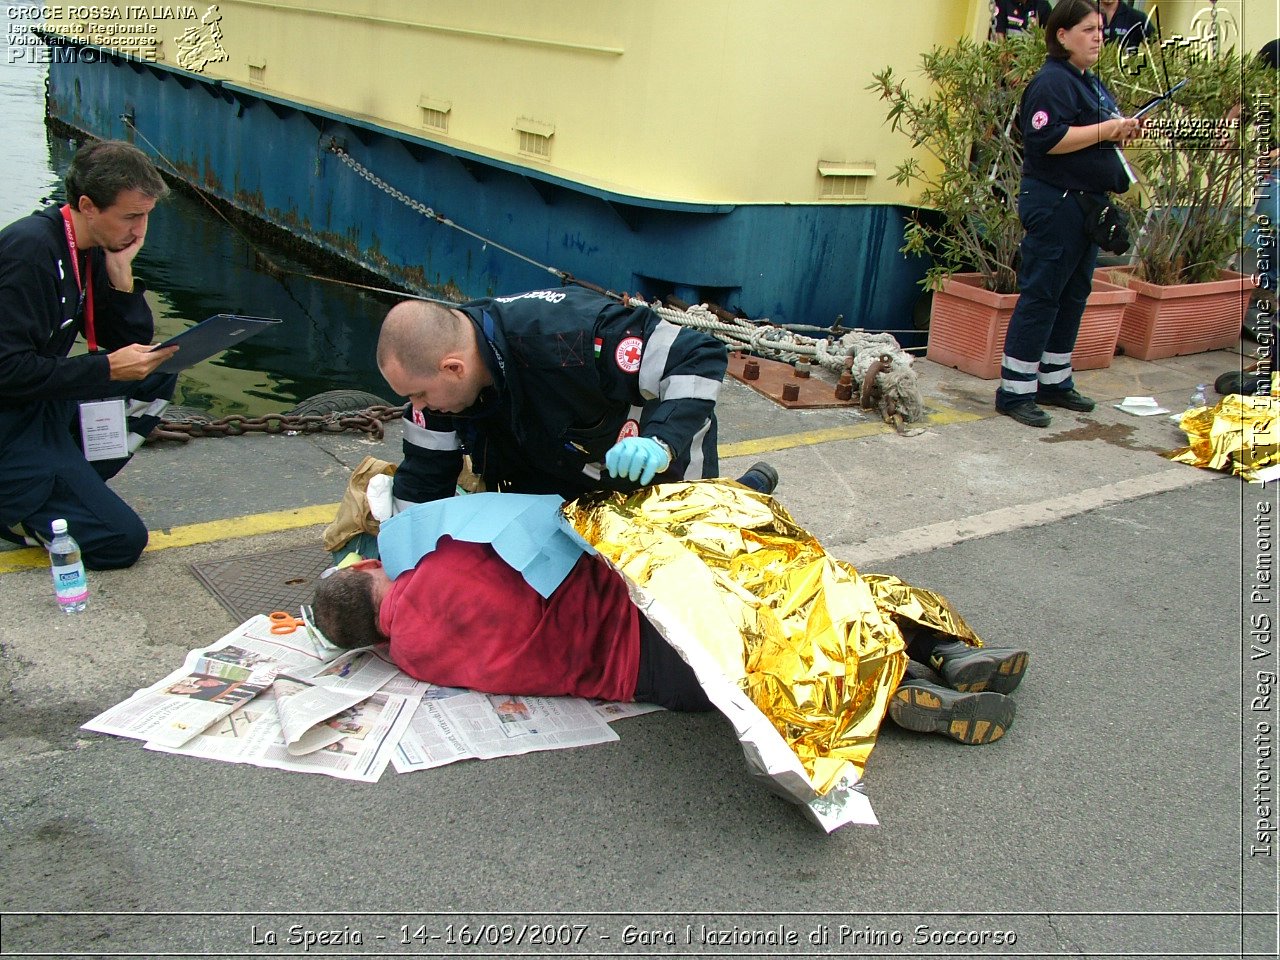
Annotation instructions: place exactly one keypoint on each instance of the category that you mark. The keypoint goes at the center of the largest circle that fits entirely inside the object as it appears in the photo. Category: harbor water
(195, 264)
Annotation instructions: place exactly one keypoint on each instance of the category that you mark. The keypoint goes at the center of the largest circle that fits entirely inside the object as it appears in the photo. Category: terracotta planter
(968, 324)
(1181, 318)
(1100, 326)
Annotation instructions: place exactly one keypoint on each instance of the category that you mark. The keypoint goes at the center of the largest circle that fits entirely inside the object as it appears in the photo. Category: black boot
(760, 476)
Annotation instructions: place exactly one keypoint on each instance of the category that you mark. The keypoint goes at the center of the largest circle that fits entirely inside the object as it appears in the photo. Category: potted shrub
(1193, 166)
(966, 121)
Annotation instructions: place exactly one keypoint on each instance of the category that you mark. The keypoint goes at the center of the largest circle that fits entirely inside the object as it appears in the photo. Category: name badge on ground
(103, 431)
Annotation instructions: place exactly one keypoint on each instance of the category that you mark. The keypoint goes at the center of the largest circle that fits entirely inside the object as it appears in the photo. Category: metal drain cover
(263, 582)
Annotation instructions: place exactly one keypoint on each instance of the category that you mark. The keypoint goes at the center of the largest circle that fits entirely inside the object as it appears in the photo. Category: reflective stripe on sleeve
(653, 362)
(430, 439)
(696, 460)
(686, 387)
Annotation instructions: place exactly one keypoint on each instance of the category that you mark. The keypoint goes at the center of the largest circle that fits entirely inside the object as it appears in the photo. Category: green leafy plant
(965, 122)
(1193, 162)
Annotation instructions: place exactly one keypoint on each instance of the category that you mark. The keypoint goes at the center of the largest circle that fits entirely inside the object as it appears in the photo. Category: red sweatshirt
(464, 618)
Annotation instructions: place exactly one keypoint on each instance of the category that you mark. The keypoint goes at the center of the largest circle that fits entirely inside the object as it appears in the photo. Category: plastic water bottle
(1200, 398)
(69, 581)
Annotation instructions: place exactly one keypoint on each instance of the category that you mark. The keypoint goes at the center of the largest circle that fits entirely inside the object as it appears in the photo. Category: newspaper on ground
(483, 726)
(613, 710)
(309, 696)
(367, 734)
(212, 683)
(1141, 406)
(294, 702)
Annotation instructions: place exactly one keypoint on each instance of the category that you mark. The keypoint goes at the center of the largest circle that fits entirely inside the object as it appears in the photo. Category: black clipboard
(210, 337)
(1159, 101)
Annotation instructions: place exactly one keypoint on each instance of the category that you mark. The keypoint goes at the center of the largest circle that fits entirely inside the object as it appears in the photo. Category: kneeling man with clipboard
(70, 423)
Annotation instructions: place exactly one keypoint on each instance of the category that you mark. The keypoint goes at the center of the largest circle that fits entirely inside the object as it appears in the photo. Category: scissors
(282, 622)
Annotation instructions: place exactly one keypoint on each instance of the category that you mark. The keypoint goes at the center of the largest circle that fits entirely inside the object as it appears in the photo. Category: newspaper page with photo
(313, 694)
(211, 683)
(484, 726)
(367, 734)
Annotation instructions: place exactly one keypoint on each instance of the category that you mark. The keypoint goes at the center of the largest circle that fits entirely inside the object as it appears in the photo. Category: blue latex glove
(636, 458)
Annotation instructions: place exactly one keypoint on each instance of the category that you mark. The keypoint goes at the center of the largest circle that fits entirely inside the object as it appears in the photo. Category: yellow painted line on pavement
(192, 534)
(942, 416)
(233, 527)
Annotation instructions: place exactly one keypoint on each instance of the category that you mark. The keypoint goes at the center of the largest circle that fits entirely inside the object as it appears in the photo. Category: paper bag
(353, 516)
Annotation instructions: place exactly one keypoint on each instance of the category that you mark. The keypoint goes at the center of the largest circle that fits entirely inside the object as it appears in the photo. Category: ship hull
(272, 158)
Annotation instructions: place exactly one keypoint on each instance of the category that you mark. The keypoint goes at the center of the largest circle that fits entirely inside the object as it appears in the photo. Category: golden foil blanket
(810, 641)
(1238, 436)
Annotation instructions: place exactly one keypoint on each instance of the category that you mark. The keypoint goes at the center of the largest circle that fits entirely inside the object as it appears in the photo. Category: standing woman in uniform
(1071, 134)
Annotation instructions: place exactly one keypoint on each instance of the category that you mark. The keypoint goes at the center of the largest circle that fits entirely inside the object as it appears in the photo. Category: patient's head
(345, 607)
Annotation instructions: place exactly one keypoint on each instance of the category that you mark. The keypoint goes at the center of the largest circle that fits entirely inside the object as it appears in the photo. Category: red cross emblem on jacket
(628, 353)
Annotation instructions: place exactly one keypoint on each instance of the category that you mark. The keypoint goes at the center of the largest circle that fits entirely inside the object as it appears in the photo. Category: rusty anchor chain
(368, 420)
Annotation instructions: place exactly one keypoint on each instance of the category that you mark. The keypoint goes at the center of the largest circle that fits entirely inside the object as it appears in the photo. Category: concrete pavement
(1117, 816)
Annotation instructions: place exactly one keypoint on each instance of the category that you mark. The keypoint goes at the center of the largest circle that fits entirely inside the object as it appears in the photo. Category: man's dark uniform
(43, 472)
(1126, 27)
(1013, 16)
(573, 373)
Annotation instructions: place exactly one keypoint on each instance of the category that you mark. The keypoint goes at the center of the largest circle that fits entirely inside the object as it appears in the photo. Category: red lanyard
(85, 287)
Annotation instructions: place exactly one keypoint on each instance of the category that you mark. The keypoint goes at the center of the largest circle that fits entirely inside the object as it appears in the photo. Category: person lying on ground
(464, 617)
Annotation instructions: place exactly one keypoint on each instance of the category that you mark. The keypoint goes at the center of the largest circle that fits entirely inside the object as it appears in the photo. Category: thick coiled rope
(895, 391)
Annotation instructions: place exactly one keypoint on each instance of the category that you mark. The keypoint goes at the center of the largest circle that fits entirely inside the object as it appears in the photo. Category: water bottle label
(70, 584)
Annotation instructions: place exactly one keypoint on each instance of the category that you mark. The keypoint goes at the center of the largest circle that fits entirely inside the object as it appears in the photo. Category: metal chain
(369, 420)
(415, 205)
(759, 337)
(420, 207)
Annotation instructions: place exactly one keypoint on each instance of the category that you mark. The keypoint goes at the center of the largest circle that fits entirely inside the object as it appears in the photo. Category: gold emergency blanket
(1239, 435)
(904, 602)
(812, 644)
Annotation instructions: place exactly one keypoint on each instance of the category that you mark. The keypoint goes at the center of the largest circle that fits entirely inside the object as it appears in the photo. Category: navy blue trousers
(663, 677)
(1054, 281)
(44, 476)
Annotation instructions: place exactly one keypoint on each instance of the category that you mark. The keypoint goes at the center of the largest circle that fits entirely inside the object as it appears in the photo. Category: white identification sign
(102, 428)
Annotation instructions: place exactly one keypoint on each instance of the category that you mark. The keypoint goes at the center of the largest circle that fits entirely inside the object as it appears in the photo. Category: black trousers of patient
(664, 678)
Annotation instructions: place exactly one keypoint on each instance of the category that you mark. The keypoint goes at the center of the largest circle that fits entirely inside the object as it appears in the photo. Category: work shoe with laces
(970, 718)
(760, 476)
(975, 669)
(1026, 411)
(1067, 399)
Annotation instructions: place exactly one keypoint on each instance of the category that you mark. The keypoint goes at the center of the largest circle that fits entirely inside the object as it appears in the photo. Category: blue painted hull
(791, 263)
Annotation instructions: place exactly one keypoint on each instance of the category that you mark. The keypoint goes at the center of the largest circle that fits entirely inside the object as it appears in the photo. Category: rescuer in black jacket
(67, 271)
(1071, 133)
(552, 391)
